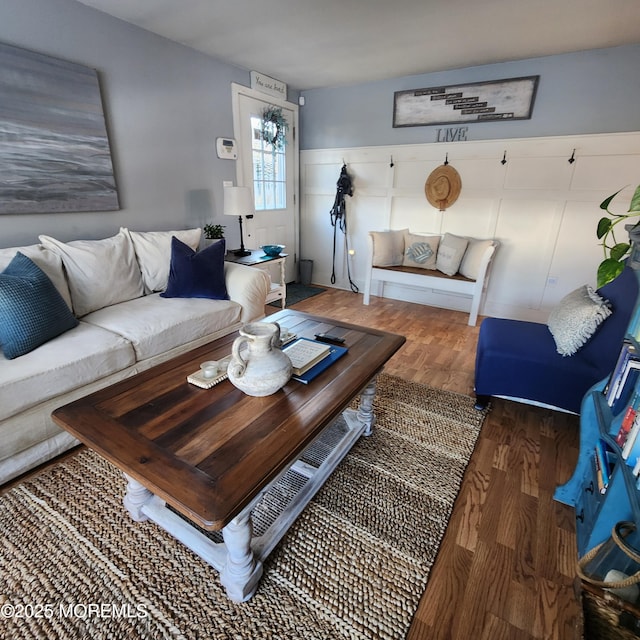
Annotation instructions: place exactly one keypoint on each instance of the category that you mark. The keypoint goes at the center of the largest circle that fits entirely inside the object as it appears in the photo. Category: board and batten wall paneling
(541, 208)
(589, 173)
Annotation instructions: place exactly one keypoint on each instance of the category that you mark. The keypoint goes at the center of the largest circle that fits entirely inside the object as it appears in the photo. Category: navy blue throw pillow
(196, 275)
(32, 311)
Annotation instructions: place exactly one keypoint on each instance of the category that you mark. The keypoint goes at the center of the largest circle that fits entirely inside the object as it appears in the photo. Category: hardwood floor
(506, 567)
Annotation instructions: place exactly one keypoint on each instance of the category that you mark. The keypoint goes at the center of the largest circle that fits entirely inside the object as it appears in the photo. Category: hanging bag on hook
(339, 219)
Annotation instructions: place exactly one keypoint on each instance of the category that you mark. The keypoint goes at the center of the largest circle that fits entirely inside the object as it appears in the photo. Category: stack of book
(627, 438)
(309, 358)
(623, 379)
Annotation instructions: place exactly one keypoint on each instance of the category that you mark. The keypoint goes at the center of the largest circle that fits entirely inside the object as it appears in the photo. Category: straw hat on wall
(443, 186)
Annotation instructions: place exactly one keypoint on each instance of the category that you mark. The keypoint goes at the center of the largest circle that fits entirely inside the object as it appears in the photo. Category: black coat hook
(446, 160)
(504, 158)
(391, 163)
(572, 159)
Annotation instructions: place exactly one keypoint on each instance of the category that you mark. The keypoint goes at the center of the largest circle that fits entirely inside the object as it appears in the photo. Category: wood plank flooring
(506, 567)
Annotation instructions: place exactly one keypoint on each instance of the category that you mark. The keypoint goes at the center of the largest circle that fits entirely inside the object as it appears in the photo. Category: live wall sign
(508, 99)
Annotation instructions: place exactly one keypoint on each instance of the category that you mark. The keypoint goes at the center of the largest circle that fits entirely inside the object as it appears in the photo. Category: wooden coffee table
(211, 457)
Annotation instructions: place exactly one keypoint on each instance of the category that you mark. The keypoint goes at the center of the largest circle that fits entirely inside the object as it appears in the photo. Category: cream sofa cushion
(153, 251)
(470, 266)
(49, 261)
(388, 247)
(100, 272)
(154, 325)
(420, 251)
(450, 253)
(72, 360)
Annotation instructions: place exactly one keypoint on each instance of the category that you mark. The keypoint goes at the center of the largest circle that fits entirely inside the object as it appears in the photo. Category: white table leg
(242, 572)
(283, 283)
(136, 497)
(365, 411)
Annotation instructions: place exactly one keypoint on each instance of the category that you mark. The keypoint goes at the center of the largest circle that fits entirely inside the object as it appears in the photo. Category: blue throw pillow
(196, 275)
(32, 311)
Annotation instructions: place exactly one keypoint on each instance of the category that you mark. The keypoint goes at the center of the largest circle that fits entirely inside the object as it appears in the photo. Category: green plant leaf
(609, 270)
(619, 251)
(604, 225)
(634, 207)
(605, 203)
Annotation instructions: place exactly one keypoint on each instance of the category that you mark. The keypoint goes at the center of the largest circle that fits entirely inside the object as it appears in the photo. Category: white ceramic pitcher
(261, 368)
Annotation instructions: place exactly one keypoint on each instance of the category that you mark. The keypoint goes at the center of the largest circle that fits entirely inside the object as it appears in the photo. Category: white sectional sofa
(123, 326)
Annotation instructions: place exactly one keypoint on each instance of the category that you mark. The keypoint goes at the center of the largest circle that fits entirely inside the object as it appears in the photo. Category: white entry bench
(449, 263)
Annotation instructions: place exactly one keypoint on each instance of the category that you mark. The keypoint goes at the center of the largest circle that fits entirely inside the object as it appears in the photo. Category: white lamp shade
(238, 201)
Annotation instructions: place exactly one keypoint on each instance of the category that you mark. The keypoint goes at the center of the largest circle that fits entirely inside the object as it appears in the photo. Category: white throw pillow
(420, 251)
(576, 319)
(450, 253)
(470, 265)
(100, 272)
(388, 247)
(153, 251)
(48, 261)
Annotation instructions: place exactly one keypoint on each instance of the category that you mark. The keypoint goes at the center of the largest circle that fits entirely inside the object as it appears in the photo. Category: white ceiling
(320, 43)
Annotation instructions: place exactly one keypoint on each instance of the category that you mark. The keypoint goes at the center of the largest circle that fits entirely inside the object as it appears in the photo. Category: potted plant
(213, 231)
(615, 252)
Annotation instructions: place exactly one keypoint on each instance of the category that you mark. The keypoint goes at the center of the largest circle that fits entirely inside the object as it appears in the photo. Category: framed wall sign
(509, 99)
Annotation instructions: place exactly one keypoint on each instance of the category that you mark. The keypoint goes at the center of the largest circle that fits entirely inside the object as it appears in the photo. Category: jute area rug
(354, 565)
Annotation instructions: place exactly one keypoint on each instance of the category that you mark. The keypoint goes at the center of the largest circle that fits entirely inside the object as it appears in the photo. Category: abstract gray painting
(54, 149)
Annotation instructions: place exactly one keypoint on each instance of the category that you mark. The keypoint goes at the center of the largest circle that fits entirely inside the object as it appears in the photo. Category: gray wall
(594, 91)
(165, 106)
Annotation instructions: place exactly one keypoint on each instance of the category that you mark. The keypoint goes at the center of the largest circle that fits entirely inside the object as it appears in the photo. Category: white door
(271, 170)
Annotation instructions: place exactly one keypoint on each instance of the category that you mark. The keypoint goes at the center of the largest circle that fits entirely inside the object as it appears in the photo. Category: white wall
(542, 209)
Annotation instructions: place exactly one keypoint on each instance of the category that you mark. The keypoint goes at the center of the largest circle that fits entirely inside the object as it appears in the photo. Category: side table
(259, 259)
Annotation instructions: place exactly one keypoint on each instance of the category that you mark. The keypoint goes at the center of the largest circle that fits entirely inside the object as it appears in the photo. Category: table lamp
(238, 201)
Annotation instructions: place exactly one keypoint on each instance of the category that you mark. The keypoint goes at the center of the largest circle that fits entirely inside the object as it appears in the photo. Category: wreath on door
(274, 127)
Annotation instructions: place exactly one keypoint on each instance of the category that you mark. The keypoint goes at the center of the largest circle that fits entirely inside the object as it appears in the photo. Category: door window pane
(269, 175)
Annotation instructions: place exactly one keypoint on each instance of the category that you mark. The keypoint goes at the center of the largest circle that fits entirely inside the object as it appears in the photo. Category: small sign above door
(273, 87)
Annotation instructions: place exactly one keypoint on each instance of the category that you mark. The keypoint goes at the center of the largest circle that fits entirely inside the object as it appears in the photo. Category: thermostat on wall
(226, 148)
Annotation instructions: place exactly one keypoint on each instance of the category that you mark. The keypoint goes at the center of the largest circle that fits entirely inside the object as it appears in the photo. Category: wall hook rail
(572, 159)
(504, 158)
